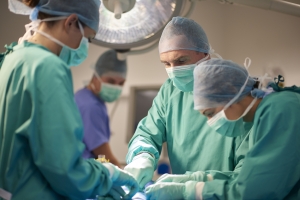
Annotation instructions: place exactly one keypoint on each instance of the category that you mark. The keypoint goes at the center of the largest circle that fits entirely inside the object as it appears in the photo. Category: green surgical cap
(183, 33)
(86, 10)
(109, 63)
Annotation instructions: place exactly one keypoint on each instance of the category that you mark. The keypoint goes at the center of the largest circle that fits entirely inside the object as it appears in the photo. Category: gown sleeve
(150, 133)
(55, 138)
(272, 166)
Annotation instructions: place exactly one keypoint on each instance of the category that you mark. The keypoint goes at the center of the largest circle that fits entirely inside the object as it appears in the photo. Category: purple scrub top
(95, 120)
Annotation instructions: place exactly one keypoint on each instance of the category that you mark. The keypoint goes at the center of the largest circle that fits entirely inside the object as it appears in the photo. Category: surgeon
(192, 145)
(105, 86)
(41, 130)
(225, 93)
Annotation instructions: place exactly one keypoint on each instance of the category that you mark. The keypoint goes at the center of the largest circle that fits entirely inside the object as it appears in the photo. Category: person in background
(225, 93)
(41, 129)
(192, 145)
(105, 86)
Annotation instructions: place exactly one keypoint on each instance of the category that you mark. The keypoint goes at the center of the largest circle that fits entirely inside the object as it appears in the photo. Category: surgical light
(126, 24)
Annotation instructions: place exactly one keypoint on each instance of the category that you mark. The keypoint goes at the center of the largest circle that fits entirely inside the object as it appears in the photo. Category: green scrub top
(41, 130)
(192, 145)
(271, 168)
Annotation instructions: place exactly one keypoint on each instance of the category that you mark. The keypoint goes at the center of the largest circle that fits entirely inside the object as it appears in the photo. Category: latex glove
(116, 193)
(182, 178)
(141, 168)
(105, 198)
(172, 191)
(120, 178)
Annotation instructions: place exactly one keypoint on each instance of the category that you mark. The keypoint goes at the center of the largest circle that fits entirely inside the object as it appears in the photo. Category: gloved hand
(120, 178)
(116, 192)
(182, 178)
(105, 198)
(141, 168)
(171, 191)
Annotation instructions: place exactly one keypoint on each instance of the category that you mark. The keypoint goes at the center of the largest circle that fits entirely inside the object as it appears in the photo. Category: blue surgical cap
(108, 63)
(86, 10)
(183, 33)
(218, 81)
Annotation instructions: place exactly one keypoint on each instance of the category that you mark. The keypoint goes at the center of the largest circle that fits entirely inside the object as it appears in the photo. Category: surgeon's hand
(182, 178)
(105, 198)
(115, 193)
(120, 178)
(142, 168)
(171, 191)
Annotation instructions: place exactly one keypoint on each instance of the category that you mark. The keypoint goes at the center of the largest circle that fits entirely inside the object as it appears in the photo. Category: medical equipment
(101, 158)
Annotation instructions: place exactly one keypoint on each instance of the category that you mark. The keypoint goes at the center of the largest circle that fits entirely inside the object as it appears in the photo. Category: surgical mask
(110, 92)
(231, 128)
(182, 76)
(72, 57)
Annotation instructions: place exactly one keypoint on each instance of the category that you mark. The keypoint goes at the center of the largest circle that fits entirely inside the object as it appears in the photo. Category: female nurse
(40, 126)
(226, 94)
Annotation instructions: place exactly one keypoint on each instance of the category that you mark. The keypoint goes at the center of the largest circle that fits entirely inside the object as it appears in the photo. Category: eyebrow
(177, 59)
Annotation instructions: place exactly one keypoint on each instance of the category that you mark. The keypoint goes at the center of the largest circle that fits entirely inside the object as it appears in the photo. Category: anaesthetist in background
(225, 93)
(41, 129)
(192, 145)
(105, 86)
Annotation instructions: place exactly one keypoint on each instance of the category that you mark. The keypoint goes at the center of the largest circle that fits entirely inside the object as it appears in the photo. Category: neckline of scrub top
(95, 96)
(29, 44)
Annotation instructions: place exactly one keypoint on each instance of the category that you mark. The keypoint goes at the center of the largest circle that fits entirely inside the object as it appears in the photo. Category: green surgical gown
(41, 131)
(192, 145)
(271, 168)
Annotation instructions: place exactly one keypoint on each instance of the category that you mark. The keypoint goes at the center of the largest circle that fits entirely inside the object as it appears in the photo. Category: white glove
(199, 176)
(120, 178)
(141, 168)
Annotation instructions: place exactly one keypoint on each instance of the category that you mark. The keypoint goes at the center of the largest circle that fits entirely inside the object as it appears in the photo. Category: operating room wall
(269, 38)
(235, 32)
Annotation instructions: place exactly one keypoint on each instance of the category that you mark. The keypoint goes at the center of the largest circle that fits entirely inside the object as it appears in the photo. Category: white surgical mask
(108, 92)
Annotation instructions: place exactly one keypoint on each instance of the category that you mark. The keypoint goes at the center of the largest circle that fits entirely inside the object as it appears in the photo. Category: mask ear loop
(29, 28)
(212, 52)
(99, 79)
(255, 99)
(81, 28)
(203, 59)
(32, 26)
(249, 107)
(247, 63)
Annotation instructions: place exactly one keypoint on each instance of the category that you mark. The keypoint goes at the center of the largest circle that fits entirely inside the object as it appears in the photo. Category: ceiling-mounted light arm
(275, 5)
(122, 53)
(118, 7)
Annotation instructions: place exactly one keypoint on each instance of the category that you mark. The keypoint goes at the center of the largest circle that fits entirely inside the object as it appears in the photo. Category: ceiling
(293, 1)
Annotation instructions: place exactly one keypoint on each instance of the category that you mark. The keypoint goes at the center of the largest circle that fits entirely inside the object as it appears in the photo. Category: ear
(70, 22)
(97, 83)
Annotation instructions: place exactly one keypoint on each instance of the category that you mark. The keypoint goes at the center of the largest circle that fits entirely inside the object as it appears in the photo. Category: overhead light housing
(139, 26)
